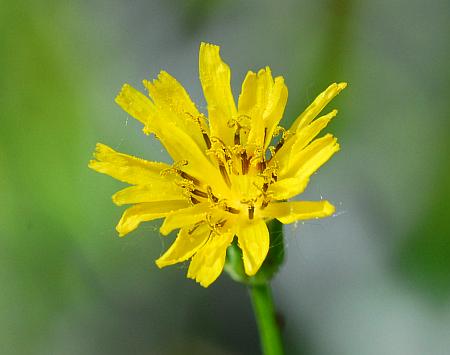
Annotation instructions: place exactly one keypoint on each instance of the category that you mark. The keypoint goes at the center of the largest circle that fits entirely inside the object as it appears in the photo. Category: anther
(199, 193)
(194, 201)
(245, 162)
(220, 223)
(278, 146)
(211, 196)
(185, 184)
(175, 168)
(237, 136)
(251, 212)
(261, 166)
(270, 174)
(214, 226)
(257, 156)
(221, 153)
(284, 136)
(232, 210)
(186, 176)
(192, 230)
(241, 124)
(204, 133)
(224, 173)
(206, 139)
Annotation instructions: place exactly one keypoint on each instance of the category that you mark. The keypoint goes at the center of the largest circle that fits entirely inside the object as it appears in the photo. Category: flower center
(244, 168)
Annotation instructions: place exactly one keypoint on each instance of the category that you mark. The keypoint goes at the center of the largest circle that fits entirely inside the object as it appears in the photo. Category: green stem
(264, 309)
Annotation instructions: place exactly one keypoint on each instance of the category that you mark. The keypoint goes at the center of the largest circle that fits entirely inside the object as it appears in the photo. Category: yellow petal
(163, 122)
(248, 95)
(253, 239)
(157, 190)
(275, 108)
(303, 164)
(302, 138)
(171, 98)
(262, 100)
(181, 147)
(288, 212)
(144, 212)
(137, 105)
(253, 101)
(317, 106)
(207, 264)
(215, 80)
(287, 188)
(188, 241)
(307, 134)
(185, 217)
(246, 101)
(125, 167)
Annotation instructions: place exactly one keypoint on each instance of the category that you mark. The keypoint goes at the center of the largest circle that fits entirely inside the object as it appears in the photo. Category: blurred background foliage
(375, 279)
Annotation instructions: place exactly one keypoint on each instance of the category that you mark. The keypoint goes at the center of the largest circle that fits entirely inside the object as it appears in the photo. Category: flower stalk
(268, 327)
(259, 287)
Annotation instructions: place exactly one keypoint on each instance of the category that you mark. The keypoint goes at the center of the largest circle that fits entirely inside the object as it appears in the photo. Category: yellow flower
(226, 180)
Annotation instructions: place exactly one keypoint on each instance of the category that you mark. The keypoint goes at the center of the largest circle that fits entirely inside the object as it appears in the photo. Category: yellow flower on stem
(227, 179)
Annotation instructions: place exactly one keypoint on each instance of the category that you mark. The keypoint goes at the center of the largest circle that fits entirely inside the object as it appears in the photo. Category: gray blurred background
(373, 279)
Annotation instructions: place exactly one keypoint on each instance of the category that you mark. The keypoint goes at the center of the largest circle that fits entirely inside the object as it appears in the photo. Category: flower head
(226, 178)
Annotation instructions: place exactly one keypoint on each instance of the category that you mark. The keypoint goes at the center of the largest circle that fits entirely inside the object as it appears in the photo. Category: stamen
(249, 201)
(241, 123)
(261, 166)
(219, 141)
(214, 226)
(251, 212)
(224, 173)
(175, 168)
(222, 153)
(245, 162)
(221, 223)
(194, 201)
(186, 176)
(232, 210)
(231, 168)
(192, 230)
(285, 135)
(264, 204)
(206, 139)
(204, 133)
(270, 174)
(278, 130)
(185, 184)
(199, 193)
(278, 146)
(257, 156)
(211, 196)
(237, 136)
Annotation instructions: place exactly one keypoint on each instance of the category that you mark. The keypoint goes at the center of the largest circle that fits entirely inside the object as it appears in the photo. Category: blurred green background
(374, 279)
